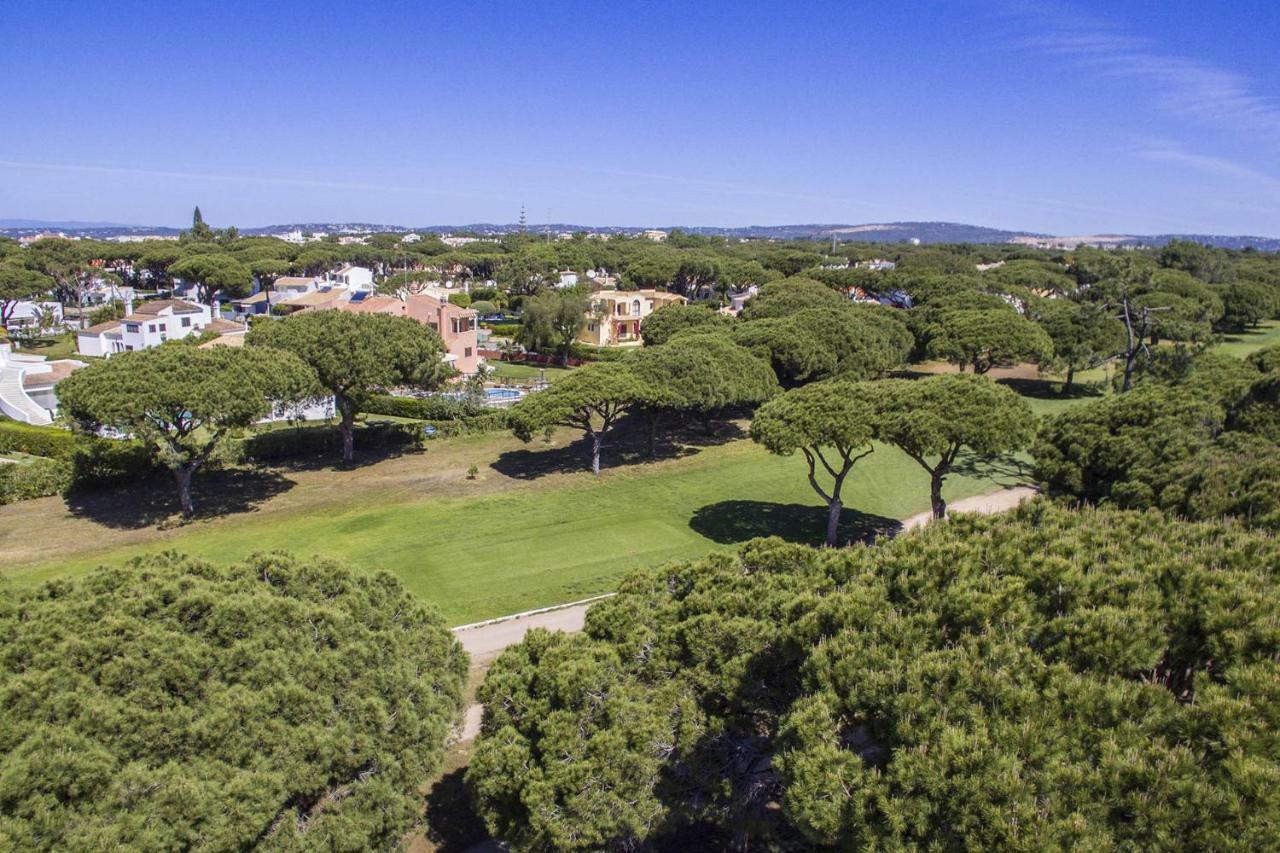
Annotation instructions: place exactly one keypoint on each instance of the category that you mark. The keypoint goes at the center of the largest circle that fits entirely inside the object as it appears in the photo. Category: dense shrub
(1237, 478)
(586, 352)
(18, 437)
(103, 462)
(1120, 449)
(172, 704)
(496, 420)
(1043, 681)
(37, 479)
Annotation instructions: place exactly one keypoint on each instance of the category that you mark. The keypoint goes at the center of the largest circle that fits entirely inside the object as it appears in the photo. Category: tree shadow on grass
(154, 501)
(626, 444)
(452, 824)
(1006, 470)
(331, 460)
(733, 521)
(1051, 389)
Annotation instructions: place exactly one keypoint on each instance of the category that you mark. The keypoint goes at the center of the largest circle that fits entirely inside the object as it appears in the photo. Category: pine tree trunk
(597, 439)
(935, 496)
(348, 428)
(1066, 386)
(182, 477)
(833, 523)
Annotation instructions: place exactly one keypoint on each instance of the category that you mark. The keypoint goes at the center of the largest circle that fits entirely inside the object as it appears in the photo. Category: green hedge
(503, 330)
(423, 408)
(102, 462)
(586, 352)
(37, 440)
(37, 479)
(496, 420)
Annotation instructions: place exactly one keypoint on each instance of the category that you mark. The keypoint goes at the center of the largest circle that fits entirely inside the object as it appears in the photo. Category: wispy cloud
(1164, 151)
(1180, 85)
(242, 179)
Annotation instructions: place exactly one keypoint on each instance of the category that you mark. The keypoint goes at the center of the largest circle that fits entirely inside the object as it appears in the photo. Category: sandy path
(484, 641)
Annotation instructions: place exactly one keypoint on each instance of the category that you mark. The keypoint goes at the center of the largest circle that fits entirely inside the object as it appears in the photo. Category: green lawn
(61, 346)
(1241, 345)
(542, 541)
(533, 530)
(524, 372)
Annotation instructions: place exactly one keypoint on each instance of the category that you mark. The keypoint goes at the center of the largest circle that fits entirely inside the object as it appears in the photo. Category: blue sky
(1070, 118)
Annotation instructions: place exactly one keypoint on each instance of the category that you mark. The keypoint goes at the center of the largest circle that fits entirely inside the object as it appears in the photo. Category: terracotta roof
(225, 327)
(229, 339)
(61, 370)
(179, 306)
(99, 328)
(292, 281)
(313, 299)
(408, 305)
(260, 296)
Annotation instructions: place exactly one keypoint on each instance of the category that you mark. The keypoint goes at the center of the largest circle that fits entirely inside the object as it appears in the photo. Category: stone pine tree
(832, 424)
(982, 339)
(17, 284)
(932, 420)
(1045, 679)
(271, 704)
(183, 400)
(355, 356)
(697, 375)
(591, 399)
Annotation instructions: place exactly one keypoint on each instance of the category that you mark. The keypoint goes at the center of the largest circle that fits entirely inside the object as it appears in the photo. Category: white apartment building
(150, 325)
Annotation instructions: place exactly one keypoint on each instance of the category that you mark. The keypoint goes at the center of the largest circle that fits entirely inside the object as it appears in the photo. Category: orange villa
(614, 317)
(456, 326)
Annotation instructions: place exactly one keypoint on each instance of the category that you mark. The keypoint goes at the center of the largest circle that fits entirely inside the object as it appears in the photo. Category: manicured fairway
(515, 543)
(1240, 345)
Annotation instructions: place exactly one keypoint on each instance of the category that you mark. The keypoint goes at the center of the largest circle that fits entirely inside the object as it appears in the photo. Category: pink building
(457, 326)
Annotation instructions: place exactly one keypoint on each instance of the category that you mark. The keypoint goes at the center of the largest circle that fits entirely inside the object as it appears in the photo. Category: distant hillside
(882, 232)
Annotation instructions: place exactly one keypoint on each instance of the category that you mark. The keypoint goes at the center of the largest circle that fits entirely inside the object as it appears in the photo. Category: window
(456, 324)
(131, 327)
(186, 321)
(591, 327)
(635, 306)
(129, 347)
(151, 327)
(466, 353)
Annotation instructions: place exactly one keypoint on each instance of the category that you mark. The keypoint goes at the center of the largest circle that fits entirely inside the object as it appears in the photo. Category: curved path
(484, 641)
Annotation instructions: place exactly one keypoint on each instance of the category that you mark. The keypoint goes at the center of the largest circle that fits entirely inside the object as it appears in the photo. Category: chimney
(128, 304)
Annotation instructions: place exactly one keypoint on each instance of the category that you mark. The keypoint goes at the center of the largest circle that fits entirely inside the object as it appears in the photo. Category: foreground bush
(39, 478)
(1047, 680)
(35, 440)
(174, 705)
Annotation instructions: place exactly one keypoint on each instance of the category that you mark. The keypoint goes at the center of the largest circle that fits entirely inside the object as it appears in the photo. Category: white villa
(346, 281)
(150, 325)
(26, 385)
(32, 314)
(351, 278)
